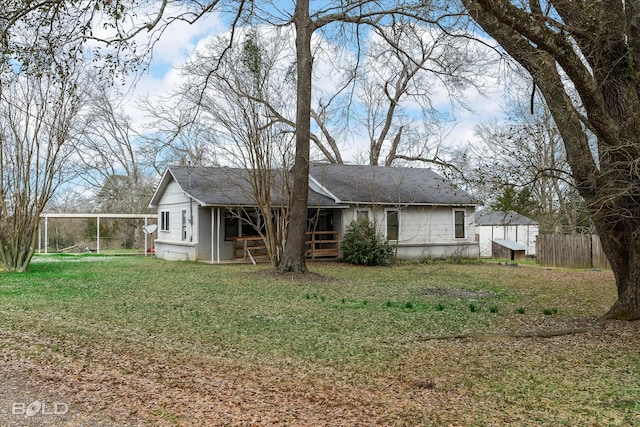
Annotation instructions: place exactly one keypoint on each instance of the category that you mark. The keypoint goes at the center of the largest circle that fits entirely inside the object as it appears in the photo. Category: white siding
(485, 235)
(422, 225)
(170, 244)
(425, 231)
(530, 235)
(524, 234)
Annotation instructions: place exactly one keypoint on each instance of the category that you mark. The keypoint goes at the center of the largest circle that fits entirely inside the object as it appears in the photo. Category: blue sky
(181, 39)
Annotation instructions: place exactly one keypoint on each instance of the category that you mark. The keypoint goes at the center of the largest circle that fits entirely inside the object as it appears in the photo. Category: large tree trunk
(622, 246)
(17, 249)
(293, 258)
(598, 54)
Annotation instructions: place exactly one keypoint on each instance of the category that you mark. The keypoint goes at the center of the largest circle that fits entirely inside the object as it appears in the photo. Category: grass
(372, 325)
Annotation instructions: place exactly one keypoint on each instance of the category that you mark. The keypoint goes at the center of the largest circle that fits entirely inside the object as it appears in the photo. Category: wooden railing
(320, 244)
(249, 247)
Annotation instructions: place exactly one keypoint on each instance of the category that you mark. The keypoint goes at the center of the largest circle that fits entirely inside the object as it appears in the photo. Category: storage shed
(495, 225)
(509, 249)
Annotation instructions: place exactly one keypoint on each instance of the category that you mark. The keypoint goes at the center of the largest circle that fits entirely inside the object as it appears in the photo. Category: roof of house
(221, 186)
(330, 185)
(502, 218)
(386, 185)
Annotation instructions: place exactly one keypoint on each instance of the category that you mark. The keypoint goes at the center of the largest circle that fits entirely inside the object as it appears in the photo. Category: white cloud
(177, 43)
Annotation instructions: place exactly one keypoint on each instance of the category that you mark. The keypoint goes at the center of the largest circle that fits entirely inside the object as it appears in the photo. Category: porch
(320, 244)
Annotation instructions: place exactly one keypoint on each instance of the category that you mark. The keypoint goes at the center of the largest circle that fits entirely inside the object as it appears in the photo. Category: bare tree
(406, 66)
(37, 115)
(525, 155)
(214, 81)
(587, 49)
(42, 48)
(117, 36)
(175, 135)
(107, 149)
(244, 102)
(306, 23)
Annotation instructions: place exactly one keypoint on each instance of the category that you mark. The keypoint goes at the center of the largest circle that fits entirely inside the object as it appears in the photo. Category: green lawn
(436, 343)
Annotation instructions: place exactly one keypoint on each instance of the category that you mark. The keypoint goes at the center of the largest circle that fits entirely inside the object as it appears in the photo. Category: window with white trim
(393, 224)
(459, 224)
(164, 220)
(362, 215)
(184, 225)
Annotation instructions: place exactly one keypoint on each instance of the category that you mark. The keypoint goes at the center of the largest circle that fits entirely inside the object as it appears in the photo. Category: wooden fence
(571, 250)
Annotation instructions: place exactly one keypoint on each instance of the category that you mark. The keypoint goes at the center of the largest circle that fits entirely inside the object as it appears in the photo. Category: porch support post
(219, 235)
(46, 235)
(213, 234)
(98, 236)
(145, 236)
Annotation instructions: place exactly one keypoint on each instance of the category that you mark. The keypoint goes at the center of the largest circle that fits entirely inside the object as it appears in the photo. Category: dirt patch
(107, 387)
(104, 387)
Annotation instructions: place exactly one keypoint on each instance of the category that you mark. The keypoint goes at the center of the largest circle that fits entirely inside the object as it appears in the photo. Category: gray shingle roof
(221, 186)
(340, 185)
(214, 185)
(388, 185)
(502, 218)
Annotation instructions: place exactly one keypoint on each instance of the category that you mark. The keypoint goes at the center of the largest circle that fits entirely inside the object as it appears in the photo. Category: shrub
(363, 246)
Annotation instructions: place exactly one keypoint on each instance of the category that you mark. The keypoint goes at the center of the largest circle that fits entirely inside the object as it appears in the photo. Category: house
(416, 210)
(510, 229)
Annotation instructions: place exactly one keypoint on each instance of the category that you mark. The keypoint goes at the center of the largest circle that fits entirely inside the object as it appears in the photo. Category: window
(242, 223)
(393, 224)
(362, 215)
(459, 226)
(231, 225)
(164, 220)
(184, 225)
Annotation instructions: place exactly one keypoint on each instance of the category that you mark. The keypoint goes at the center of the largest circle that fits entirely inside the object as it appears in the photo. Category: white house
(416, 210)
(507, 228)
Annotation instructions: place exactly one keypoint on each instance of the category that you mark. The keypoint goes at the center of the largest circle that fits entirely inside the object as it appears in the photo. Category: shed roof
(510, 244)
(502, 218)
(386, 185)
